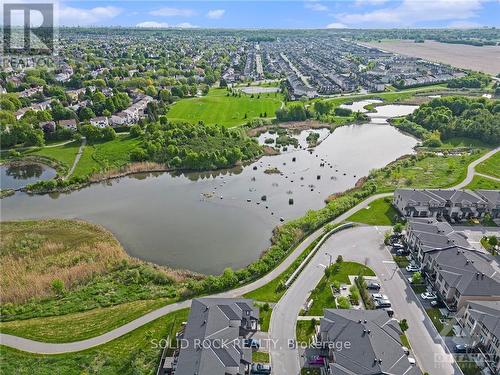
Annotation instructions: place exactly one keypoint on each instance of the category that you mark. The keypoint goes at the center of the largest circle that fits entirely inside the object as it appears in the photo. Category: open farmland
(484, 59)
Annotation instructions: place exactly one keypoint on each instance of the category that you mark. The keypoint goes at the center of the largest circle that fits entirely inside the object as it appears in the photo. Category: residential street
(363, 245)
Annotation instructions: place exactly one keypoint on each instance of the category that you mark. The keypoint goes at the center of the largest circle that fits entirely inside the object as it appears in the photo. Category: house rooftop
(374, 343)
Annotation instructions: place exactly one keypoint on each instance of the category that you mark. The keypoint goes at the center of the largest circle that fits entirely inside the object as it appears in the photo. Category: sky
(310, 14)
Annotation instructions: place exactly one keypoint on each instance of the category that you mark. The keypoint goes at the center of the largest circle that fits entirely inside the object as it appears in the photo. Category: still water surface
(16, 176)
(208, 221)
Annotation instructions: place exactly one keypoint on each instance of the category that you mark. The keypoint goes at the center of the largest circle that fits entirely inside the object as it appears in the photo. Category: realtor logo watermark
(28, 29)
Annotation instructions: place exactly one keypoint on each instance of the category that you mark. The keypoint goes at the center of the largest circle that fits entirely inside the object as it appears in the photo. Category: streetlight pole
(330, 262)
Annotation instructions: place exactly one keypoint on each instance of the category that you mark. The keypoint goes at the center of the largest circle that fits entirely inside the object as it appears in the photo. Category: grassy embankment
(490, 166)
(137, 352)
(480, 182)
(228, 111)
(379, 212)
(59, 267)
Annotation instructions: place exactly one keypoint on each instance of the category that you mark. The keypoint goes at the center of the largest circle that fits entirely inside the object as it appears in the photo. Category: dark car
(402, 252)
(373, 286)
(261, 369)
(462, 348)
(251, 343)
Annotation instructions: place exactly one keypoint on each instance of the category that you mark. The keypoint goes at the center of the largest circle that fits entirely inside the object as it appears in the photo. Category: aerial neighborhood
(196, 198)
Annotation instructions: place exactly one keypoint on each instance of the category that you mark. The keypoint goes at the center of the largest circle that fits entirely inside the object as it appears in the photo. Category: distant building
(101, 122)
(492, 199)
(68, 124)
(450, 204)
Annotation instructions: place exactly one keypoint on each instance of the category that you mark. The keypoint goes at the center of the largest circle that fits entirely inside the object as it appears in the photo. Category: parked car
(429, 295)
(402, 252)
(382, 303)
(406, 350)
(251, 343)
(412, 360)
(373, 286)
(397, 246)
(412, 268)
(463, 348)
(379, 296)
(317, 360)
(436, 303)
(389, 311)
(260, 369)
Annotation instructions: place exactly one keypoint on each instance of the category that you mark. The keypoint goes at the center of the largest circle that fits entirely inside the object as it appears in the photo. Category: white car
(379, 296)
(429, 295)
(412, 268)
(406, 350)
(412, 361)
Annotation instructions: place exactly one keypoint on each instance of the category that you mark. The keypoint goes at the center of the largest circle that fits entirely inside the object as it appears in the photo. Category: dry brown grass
(35, 253)
(128, 169)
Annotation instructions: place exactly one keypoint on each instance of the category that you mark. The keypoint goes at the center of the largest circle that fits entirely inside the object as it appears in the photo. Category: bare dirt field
(485, 59)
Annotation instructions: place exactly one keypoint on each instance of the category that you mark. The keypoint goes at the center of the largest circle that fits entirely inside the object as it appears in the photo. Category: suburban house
(212, 340)
(48, 126)
(492, 199)
(459, 275)
(450, 204)
(480, 321)
(426, 234)
(371, 343)
(68, 124)
(30, 91)
(132, 114)
(101, 122)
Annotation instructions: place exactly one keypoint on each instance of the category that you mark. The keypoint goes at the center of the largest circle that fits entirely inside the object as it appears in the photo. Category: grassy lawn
(322, 295)
(419, 289)
(83, 325)
(304, 330)
(490, 166)
(134, 353)
(379, 212)
(265, 316)
(64, 154)
(405, 341)
(480, 182)
(107, 155)
(435, 316)
(468, 366)
(261, 357)
(217, 108)
(401, 261)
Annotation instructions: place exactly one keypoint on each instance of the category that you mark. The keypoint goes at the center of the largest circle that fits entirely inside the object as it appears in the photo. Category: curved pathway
(50, 348)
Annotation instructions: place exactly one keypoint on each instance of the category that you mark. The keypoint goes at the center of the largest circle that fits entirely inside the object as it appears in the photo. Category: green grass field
(107, 155)
(84, 325)
(304, 330)
(64, 154)
(490, 166)
(217, 108)
(322, 295)
(134, 353)
(379, 212)
(480, 182)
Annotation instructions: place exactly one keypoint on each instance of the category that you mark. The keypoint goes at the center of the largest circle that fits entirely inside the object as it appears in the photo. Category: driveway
(363, 245)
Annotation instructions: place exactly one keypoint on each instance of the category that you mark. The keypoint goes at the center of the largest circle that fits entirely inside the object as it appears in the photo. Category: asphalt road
(51, 348)
(363, 245)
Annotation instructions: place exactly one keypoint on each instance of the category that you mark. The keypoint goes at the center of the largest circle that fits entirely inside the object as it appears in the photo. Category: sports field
(218, 108)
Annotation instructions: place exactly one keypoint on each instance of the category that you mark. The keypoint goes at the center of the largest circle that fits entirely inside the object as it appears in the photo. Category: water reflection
(17, 175)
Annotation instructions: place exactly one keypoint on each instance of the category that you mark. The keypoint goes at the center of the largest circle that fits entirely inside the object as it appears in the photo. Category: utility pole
(330, 262)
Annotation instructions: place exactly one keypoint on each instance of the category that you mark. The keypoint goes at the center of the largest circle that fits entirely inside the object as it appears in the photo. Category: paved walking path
(77, 158)
(50, 348)
(488, 176)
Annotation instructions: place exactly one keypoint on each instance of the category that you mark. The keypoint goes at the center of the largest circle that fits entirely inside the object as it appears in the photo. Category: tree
(417, 278)
(398, 228)
(136, 131)
(343, 303)
(493, 241)
(403, 324)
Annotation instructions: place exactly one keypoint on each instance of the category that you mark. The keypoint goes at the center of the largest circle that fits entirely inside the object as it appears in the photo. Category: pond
(18, 175)
(208, 221)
